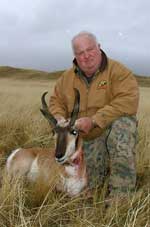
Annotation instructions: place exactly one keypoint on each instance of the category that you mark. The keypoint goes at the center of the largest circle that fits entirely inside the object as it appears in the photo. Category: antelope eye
(74, 132)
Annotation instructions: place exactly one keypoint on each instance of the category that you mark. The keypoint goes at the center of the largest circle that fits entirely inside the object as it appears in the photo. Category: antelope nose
(58, 156)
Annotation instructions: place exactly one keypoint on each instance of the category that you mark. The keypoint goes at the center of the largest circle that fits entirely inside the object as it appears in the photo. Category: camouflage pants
(113, 154)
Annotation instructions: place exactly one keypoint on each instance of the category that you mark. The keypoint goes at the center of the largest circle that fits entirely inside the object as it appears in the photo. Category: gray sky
(37, 33)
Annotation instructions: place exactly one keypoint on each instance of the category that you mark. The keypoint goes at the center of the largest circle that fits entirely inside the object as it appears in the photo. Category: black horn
(75, 110)
(46, 113)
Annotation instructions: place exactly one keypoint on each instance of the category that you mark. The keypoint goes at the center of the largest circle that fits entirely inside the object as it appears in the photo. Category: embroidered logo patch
(102, 84)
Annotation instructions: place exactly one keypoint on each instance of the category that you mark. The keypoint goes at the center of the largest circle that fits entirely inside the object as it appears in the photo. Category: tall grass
(23, 205)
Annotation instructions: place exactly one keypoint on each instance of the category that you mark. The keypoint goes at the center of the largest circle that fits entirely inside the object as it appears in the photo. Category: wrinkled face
(66, 142)
(87, 53)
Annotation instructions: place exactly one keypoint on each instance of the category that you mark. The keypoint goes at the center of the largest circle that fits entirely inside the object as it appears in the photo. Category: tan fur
(22, 163)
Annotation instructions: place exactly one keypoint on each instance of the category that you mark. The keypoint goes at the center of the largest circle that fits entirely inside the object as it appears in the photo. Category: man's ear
(99, 45)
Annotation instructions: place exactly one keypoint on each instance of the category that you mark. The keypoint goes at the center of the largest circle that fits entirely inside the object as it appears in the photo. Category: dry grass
(143, 81)
(23, 205)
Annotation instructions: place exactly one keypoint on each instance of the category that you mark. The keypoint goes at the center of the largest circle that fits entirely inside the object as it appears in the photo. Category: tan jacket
(112, 93)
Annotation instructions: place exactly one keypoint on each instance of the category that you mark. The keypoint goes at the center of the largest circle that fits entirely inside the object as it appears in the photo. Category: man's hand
(84, 124)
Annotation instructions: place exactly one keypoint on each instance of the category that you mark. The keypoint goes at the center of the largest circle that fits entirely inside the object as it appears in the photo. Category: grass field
(21, 124)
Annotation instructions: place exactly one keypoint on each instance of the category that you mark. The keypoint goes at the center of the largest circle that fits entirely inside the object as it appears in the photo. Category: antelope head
(67, 136)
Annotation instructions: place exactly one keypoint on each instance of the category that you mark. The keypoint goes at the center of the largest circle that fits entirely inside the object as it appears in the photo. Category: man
(108, 106)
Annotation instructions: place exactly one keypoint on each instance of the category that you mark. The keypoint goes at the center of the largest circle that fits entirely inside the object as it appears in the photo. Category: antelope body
(65, 163)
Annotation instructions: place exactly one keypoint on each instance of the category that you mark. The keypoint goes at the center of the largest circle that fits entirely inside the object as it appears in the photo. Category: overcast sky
(37, 33)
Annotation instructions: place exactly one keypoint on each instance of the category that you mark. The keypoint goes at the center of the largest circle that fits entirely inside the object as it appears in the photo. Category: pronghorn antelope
(67, 160)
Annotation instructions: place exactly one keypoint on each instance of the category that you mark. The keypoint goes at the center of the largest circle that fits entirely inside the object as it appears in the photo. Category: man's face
(87, 54)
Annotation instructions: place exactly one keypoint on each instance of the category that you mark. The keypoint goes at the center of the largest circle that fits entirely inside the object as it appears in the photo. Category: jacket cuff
(99, 122)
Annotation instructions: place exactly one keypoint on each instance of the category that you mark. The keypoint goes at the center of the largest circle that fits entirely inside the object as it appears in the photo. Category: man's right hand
(84, 124)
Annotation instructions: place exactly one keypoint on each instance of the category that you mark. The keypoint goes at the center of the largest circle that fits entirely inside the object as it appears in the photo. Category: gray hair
(83, 33)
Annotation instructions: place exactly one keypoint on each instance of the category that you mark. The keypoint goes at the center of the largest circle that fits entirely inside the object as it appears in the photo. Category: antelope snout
(60, 158)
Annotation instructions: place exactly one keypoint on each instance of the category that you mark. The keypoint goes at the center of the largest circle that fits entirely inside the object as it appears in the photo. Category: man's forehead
(83, 38)
(84, 42)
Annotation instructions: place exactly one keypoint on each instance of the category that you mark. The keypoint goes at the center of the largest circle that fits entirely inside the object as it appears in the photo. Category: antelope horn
(45, 111)
(75, 110)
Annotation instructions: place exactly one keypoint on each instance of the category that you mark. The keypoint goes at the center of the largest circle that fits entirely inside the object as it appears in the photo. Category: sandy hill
(20, 73)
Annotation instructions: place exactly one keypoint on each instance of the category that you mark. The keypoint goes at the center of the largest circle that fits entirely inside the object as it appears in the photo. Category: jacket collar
(103, 65)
